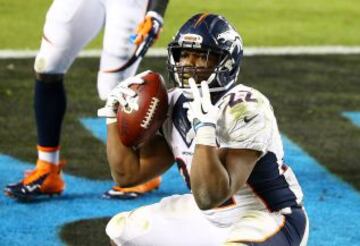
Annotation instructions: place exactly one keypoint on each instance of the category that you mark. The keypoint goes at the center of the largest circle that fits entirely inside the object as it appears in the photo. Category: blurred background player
(224, 137)
(70, 25)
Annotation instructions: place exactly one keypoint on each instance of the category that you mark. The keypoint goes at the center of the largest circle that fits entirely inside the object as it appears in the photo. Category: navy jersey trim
(290, 233)
(180, 120)
(271, 186)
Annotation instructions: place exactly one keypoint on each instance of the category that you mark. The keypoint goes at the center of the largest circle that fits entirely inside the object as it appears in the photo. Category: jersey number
(238, 97)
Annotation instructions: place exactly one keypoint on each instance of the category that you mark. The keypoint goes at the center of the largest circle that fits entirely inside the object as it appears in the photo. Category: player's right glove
(203, 114)
(147, 31)
(121, 95)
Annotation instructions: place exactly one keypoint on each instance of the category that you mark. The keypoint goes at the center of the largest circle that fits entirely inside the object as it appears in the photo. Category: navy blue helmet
(210, 34)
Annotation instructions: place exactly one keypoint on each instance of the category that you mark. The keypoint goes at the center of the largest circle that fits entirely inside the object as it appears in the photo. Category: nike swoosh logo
(248, 119)
(32, 188)
(203, 111)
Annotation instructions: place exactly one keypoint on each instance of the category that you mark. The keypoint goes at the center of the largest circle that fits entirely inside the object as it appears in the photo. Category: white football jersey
(246, 121)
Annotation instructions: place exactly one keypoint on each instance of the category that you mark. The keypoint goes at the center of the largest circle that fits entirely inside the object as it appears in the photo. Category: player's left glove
(203, 114)
(121, 95)
(147, 31)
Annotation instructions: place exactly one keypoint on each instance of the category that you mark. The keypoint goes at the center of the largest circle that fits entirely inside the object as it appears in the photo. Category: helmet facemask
(182, 71)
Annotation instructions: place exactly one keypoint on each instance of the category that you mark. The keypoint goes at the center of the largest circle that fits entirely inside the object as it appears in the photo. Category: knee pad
(116, 225)
(53, 60)
(127, 226)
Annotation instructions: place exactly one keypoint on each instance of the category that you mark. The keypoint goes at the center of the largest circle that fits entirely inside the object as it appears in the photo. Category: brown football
(145, 112)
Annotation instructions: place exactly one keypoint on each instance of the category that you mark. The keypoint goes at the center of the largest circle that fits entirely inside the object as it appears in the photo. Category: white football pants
(177, 221)
(71, 24)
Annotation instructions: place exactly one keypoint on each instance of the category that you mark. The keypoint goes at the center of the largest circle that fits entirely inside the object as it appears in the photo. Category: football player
(69, 26)
(225, 140)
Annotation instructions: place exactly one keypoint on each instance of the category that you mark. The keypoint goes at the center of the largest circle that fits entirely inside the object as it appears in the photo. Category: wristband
(206, 135)
(156, 16)
(198, 124)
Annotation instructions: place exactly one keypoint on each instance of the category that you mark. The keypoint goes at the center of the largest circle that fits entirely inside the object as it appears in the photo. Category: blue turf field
(332, 205)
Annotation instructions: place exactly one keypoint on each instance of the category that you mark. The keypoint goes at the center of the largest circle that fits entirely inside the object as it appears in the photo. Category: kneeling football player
(225, 139)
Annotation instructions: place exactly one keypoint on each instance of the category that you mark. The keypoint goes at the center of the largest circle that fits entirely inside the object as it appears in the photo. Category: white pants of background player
(177, 221)
(71, 24)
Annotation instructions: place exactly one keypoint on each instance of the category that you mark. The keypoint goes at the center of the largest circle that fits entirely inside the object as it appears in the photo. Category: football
(145, 112)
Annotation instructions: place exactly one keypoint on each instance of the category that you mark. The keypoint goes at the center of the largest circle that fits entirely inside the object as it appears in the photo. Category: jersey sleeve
(246, 121)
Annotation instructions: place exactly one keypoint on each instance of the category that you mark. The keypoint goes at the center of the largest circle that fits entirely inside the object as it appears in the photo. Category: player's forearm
(123, 161)
(210, 182)
(158, 6)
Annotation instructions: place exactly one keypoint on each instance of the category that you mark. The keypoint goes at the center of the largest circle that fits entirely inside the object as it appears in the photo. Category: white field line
(249, 51)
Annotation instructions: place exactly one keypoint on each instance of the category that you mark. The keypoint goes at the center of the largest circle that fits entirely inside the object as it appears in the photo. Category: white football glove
(121, 95)
(203, 114)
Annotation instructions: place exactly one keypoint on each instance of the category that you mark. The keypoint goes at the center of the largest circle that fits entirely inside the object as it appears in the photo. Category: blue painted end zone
(97, 126)
(332, 205)
(353, 116)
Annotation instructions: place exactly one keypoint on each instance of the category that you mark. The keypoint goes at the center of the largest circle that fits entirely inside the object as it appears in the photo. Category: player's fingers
(139, 39)
(148, 24)
(205, 93)
(189, 107)
(137, 80)
(113, 101)
(143, 29)
(127, 91)
(190, 115)
(195, 91)
(142, 74)
(131, 80)
(122, 101)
